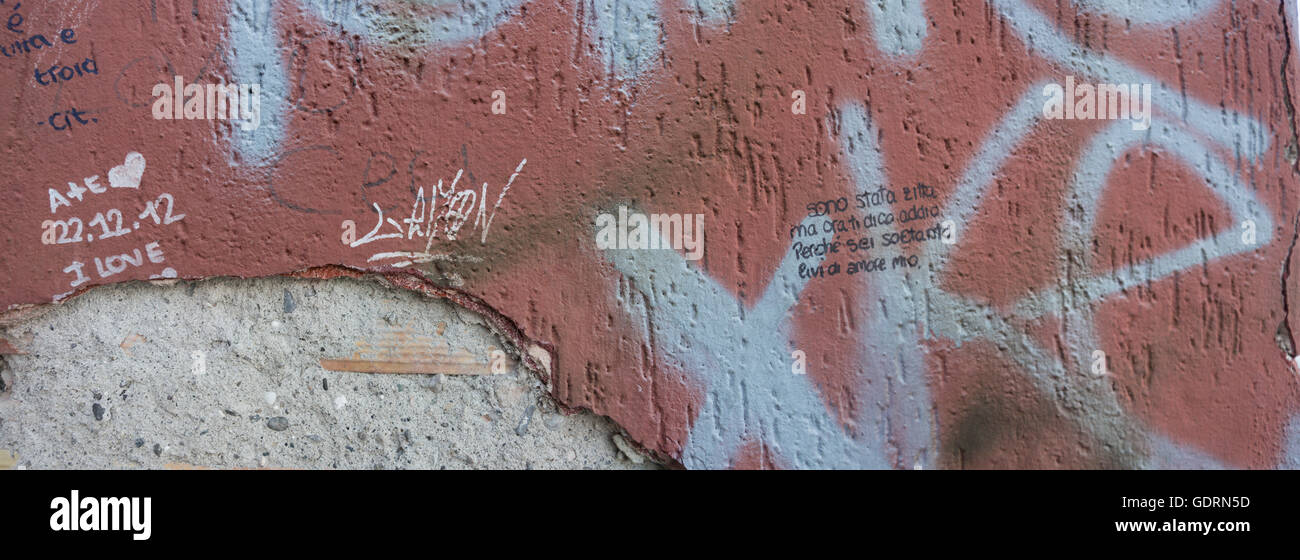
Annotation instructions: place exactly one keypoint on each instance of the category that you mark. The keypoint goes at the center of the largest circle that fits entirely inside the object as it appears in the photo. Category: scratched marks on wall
(256, 46)
(152, 212)
(444, 212)
(908, 262)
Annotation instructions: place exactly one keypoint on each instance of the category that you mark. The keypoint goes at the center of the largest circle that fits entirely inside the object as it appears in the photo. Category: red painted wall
(1069, 237)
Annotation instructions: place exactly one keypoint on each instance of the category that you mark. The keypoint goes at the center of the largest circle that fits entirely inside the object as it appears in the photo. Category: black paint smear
(368, 184)
(270, 184)
(122, 74)
(464, 158)
(354, 47)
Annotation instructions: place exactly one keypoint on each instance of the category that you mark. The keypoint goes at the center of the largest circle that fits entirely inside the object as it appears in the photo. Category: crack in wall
(1293, 148)
(1285, 338)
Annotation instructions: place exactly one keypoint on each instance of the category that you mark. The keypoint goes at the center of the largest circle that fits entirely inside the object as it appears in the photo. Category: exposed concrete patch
(222, 374)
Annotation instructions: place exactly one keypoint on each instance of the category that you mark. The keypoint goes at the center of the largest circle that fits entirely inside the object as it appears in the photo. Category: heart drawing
(127, 175)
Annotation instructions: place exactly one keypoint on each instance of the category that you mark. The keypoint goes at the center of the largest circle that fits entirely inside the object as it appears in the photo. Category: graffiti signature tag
(445, 209)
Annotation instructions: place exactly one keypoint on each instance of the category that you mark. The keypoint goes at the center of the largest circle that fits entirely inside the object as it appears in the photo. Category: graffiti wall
(758, 233)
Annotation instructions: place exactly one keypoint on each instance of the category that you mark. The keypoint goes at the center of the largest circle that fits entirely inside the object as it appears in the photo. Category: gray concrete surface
(224, 373)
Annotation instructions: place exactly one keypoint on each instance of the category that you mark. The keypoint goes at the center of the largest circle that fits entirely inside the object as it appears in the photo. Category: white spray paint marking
(168, 273)
(1233, 131)
(451, 22)
(127, 175)
(1090, 403)
(1089, 183)
(713, 12)
(1143, 12)
(627, 32)
(1238, 132)
(893, 396)
(256, 57)
(415, 257)
(742, 358)
(899, 26)
(1291, 447)
(1165, 454)
(738, 386)
(445, 210)
(487, 224)
(255, 51)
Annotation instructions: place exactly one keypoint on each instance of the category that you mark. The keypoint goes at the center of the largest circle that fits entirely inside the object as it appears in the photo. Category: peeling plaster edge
(1285, 337)
(1292, 150)
(539, 358)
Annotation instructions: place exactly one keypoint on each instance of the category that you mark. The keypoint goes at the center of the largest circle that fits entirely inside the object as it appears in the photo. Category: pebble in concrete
(628, 451)
(522, 428)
